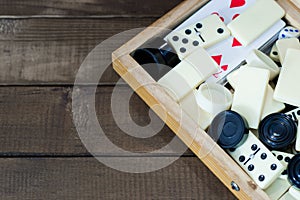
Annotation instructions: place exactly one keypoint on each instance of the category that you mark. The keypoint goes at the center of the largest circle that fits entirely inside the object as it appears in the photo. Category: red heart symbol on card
(218, 59)
(236, 43)
(225, 67)
(215, 13)
(237, 3)
(235, 16)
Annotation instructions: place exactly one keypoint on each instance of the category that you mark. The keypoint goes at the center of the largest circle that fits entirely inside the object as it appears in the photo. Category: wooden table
(42, 46)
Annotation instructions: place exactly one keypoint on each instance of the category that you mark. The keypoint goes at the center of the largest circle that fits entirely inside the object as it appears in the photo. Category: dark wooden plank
(44, 51)
(86, 7)
(86, 178)
(67, 29)
(39, 121)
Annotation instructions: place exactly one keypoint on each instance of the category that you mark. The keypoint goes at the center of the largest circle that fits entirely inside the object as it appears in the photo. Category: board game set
(225, 79)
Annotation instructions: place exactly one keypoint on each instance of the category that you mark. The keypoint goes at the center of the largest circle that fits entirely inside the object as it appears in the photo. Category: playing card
(232, 9)
(227, 10)
(232, 53)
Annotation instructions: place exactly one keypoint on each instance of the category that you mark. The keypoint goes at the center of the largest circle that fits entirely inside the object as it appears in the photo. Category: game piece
(154, 62)
(204, 33)
(289, 32)
(287, 88)
(270, 105)
(277, 131)
(278, 188)
(229, 129)
(214, 98)
(188, 74)
(284, 44)
(191, 107)
(260, 164)
(297, 145)
(293, 171)
(284, 158)
(260, 60)
(249, 96)
(294, 114)
(281, 184)
(246, 27)
(274, 55)
(206, 102)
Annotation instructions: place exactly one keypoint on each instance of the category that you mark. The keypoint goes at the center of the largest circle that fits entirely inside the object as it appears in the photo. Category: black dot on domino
(182, 50)
(242, 158)
(287, 159)
(188, 31)
(280, 157)
(261, 178)
(275, 53)
(196, 43)
(185, 41)
(298, 112)
(175, 38)
(251, 167)
(254, 147)
(263, 156)
(199, 25)
(220, 30)
(273, 167)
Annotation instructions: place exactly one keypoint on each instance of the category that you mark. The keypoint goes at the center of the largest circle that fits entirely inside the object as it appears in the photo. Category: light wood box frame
(168, 110)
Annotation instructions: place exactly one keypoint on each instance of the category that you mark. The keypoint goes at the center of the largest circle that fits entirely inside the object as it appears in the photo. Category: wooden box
(215, 158)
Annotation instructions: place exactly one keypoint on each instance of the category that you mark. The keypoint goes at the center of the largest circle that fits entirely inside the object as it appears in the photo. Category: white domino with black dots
(289, 32)
(205, 33)
(281, 185)
(284, 158)
(261, 165)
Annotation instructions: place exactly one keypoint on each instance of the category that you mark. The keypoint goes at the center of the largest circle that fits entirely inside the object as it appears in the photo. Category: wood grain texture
(39, 121)
(86, 178)
(50, 51)
(292, 10)
(296, 3)
(77, 8)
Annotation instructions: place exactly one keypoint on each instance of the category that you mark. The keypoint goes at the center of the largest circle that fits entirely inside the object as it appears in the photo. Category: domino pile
(250, 116)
